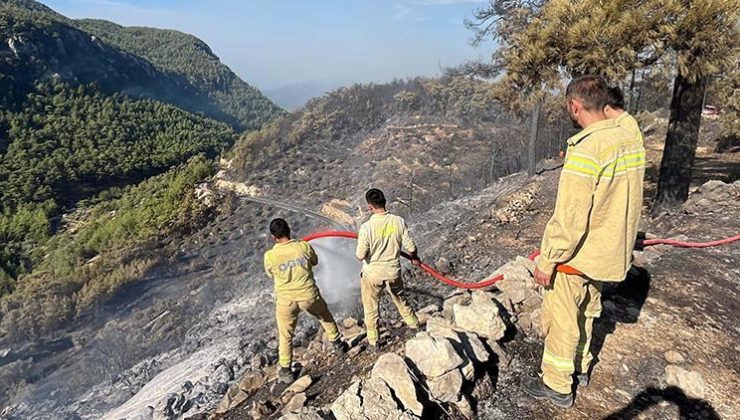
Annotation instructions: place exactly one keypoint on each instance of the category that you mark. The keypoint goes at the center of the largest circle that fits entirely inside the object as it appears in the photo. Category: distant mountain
(39, 44)
(188, 57)
(295, 95)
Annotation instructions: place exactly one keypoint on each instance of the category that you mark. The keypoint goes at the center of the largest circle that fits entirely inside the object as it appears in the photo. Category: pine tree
(542, 42)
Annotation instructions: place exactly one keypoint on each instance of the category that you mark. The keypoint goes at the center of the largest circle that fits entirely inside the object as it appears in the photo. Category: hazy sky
(271, 43)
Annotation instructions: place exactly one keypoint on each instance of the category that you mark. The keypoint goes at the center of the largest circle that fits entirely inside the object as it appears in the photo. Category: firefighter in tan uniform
(379, 244)
(589, 239)
(290, 264)
(614, 110)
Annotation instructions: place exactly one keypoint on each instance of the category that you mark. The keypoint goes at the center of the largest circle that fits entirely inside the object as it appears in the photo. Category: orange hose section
(490, 281)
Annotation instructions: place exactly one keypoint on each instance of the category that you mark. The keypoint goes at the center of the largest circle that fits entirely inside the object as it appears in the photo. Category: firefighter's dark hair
(375, 198)
(615, 98)
(279, 228)
(589, 90)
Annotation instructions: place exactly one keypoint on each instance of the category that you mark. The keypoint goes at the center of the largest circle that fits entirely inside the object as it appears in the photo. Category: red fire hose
(490, 281)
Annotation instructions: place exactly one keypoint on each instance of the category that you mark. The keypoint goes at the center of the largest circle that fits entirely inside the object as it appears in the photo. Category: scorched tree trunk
(680, 144)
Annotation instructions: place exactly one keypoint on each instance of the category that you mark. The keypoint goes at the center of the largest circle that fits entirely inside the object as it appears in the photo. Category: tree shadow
(709, 168)
(621, 303)
(688, 408)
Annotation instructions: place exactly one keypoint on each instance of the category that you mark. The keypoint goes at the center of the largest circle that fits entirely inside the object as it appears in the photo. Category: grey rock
(392, 369)
(480, 317)
(462, 298)
(306, 413)
(673, 357)
(252, 381)
(233, 398)
(223, 373)
(300, 385)
(295, 403)
(690, 382)
(446, 388)
(370, 399)
(433, 356)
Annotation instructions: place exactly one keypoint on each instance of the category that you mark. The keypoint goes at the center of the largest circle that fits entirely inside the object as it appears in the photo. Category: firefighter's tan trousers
(286, 313)
(370, 290)
(568, 312)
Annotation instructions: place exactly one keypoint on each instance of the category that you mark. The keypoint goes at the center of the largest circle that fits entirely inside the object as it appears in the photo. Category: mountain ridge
(42, 45)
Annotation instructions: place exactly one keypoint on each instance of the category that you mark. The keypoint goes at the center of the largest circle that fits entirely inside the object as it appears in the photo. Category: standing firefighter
(614, 109)
(290, 264)
(588, 240)
(379, 245)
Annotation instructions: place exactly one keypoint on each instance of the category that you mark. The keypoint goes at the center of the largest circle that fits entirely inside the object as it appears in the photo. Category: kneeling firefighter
(290, 264)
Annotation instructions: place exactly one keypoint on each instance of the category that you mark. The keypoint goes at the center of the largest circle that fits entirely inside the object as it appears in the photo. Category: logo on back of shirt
(298, 262)
(385, 231)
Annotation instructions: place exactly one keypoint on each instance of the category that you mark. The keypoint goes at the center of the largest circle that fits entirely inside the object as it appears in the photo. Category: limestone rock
(713, 196)
(516, 274)
(306, 413)
(392, 369)
(233, 398)
(259, 410)
(474, 348)
(441, 327)
(295, 403)
(691, 382)
(526, 263)
(480, 317)
(468, 371)
(300, 385)
(370, 399)
(536, 319)
(433, 356)
(519, 295)
(446, 388)
(462, 298)
(673, 357)
(465, 408)
(252, 381)
(506, 302)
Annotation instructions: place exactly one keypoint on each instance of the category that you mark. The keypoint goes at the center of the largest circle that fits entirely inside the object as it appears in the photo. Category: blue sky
(272, 43)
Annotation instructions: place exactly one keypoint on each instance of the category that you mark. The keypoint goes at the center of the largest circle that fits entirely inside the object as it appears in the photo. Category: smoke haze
(338, 273)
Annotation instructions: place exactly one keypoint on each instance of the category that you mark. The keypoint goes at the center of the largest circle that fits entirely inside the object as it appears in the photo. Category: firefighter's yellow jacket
(594, 226)
(290, 265)
(379, 243)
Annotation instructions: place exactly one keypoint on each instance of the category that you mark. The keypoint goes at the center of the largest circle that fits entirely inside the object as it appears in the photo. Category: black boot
(339, 346)
(285, 375)
(536, 388)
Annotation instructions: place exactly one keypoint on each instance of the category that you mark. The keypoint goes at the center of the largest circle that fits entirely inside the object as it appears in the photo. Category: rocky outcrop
(713, 197)
(370, 399)
(481, 316)
(394, 371)
(690, 382)
(443, 369)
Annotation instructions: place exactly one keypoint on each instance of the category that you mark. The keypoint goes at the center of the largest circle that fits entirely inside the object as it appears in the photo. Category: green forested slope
(66, 144)
(187, 56)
